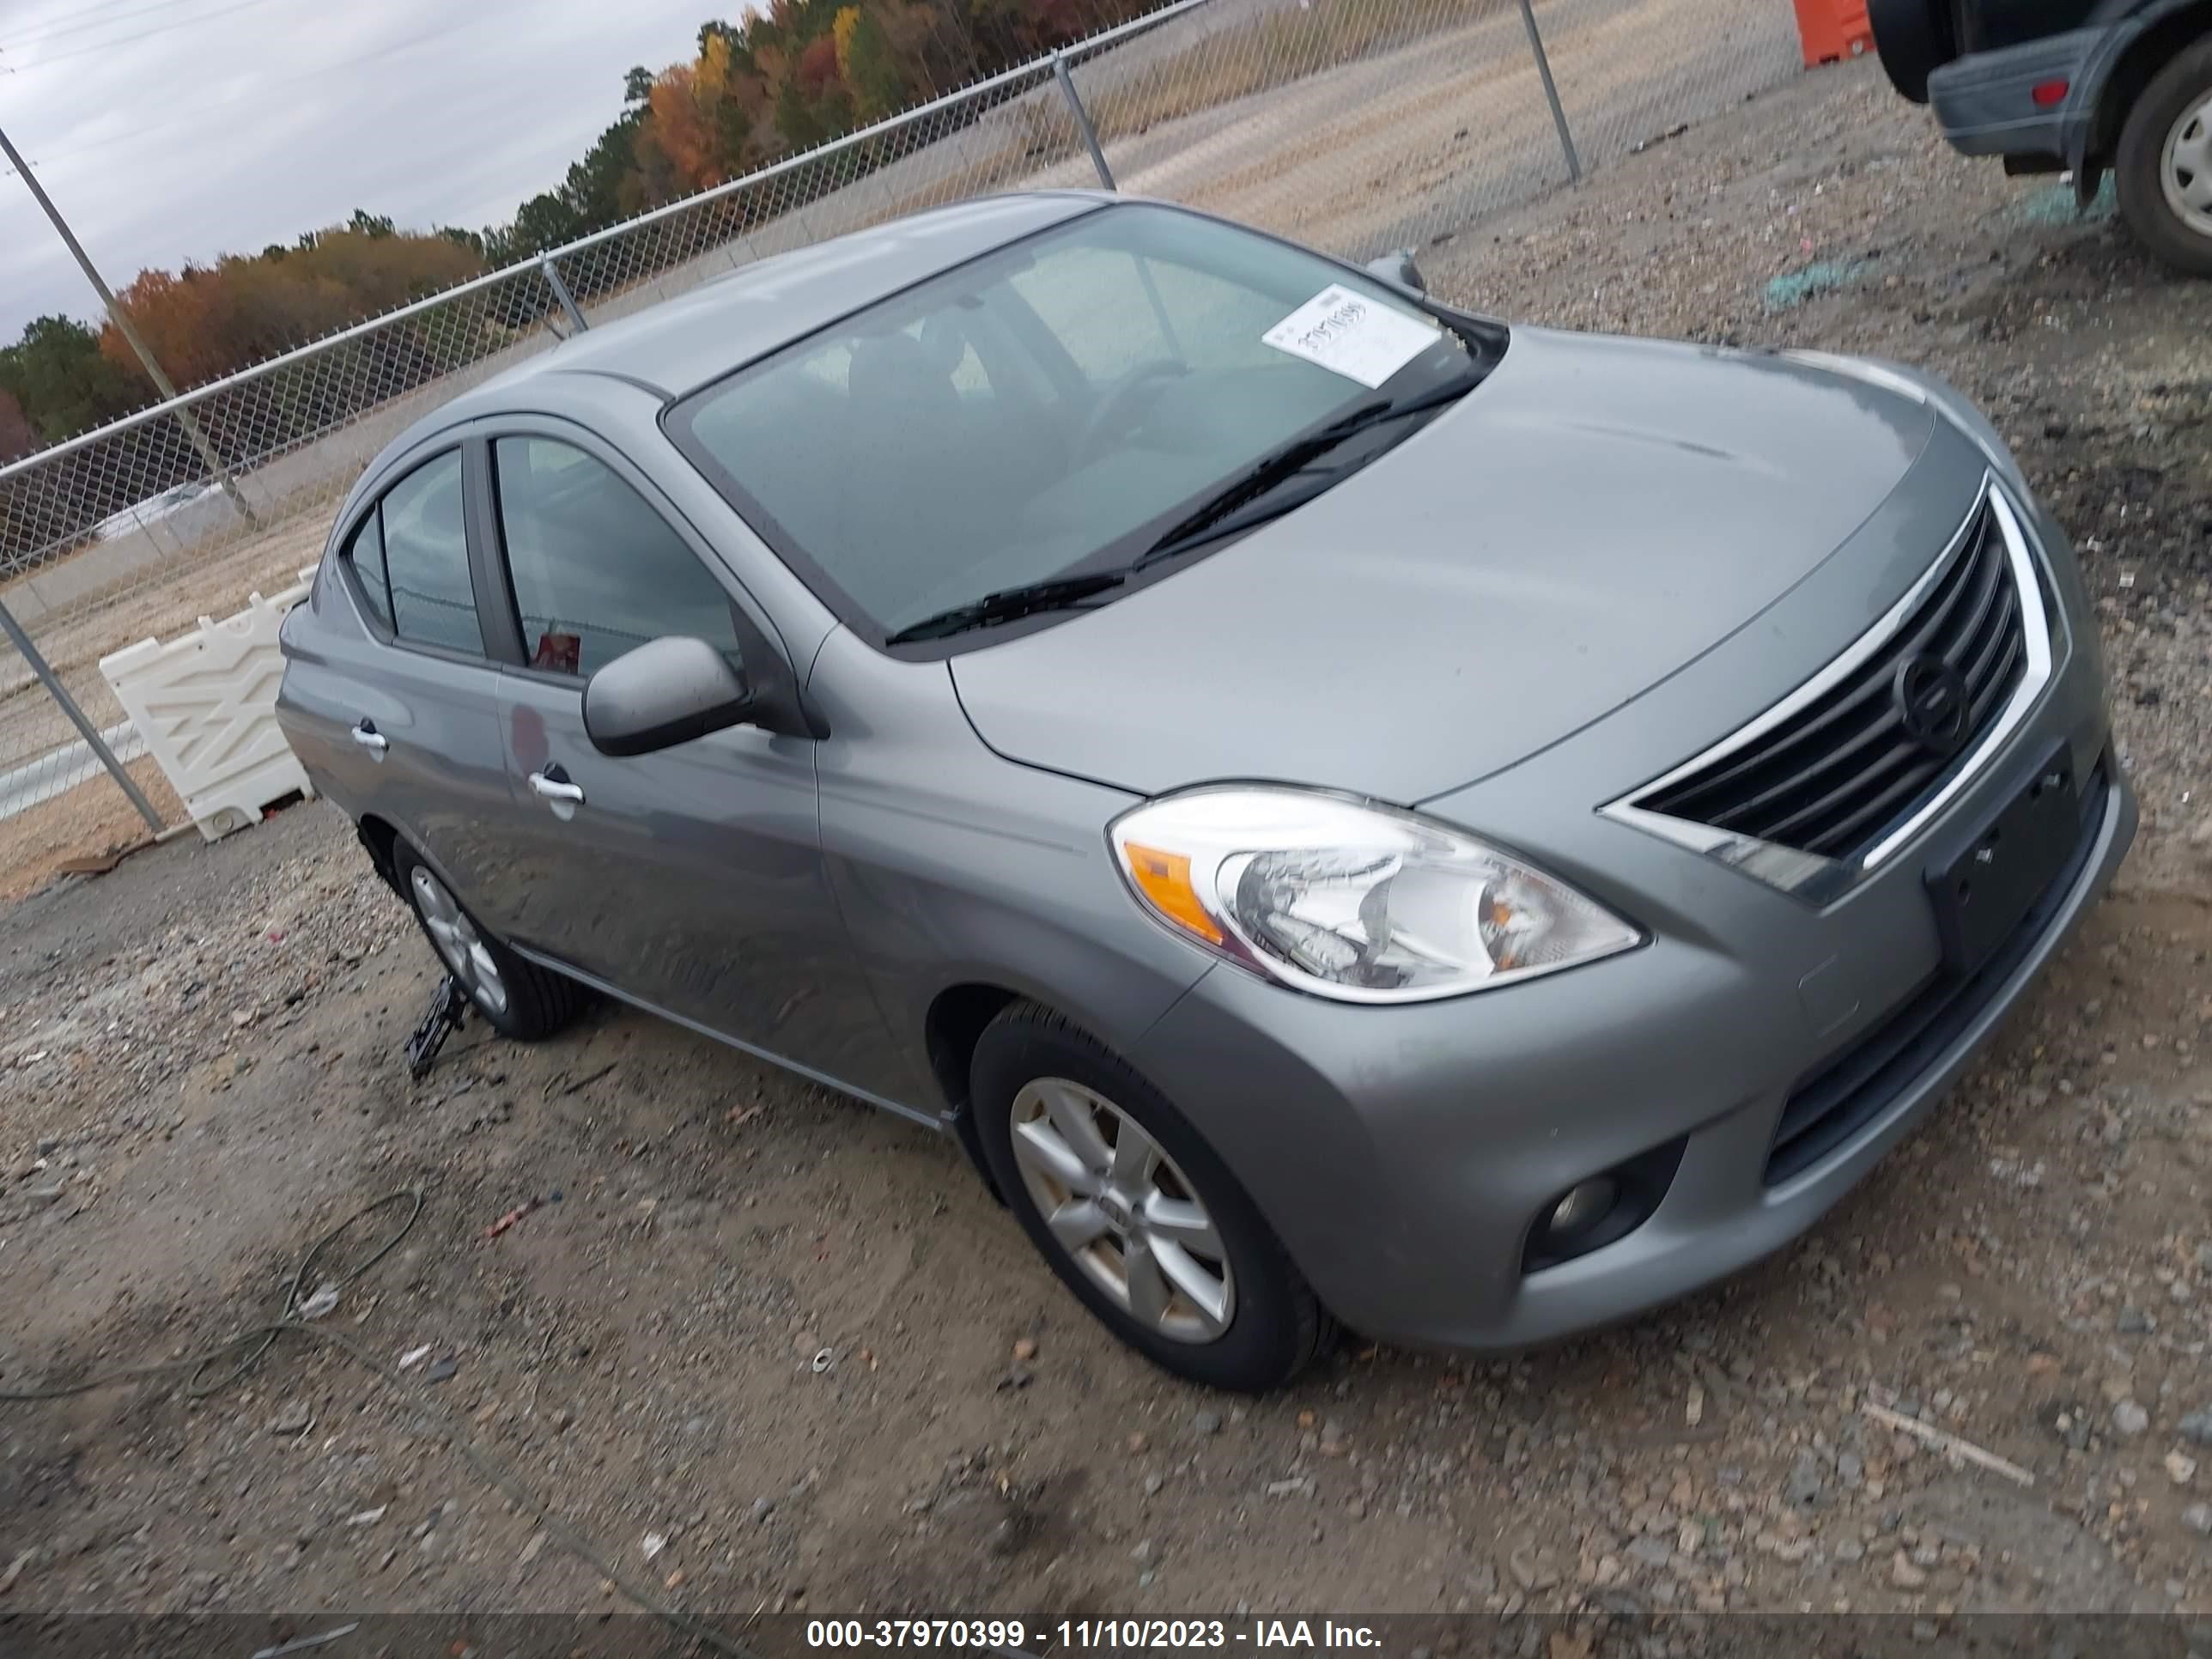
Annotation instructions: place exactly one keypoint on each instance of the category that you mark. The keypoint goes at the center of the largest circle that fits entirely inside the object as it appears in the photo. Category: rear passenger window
(365, 553)
(597, 571)
(426, 559)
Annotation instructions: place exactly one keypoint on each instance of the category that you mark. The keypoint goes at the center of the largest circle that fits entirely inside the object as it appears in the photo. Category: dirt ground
(85, 824)
(1366, 155)
(202, 1071)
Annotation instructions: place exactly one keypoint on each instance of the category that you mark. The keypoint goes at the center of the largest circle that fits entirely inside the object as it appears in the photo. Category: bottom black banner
(1397, 1636)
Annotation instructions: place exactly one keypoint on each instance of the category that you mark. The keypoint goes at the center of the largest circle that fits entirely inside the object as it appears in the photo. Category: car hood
(1596, 513)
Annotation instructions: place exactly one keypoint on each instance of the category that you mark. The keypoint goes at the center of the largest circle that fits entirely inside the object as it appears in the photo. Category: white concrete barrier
(205, 707)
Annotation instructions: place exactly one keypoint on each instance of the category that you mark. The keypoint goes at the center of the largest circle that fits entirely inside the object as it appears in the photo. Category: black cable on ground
(240, 1353)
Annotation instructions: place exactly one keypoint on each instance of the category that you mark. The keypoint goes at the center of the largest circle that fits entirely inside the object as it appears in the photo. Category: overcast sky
(175, 130)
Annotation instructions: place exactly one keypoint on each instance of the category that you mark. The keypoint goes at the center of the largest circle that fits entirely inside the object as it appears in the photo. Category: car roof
(681, 344)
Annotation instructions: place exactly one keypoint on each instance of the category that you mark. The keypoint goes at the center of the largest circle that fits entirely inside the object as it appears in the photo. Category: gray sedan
(1349, 811)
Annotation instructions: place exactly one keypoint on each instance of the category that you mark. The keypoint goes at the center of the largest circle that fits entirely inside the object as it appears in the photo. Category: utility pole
(126, 327)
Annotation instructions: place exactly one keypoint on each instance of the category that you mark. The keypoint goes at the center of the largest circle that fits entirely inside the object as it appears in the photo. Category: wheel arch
(2125, 66)
(382, 839)
(954, 1023)
(379, 839)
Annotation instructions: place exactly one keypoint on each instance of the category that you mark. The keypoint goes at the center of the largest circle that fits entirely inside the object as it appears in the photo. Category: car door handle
(370, 739)
(556, 789)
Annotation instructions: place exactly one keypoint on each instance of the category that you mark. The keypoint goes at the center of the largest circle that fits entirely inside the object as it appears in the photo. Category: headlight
(1359, 902)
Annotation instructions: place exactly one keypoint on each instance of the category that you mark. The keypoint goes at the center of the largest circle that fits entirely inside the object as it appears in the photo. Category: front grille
(1832, 776)
(1851, 1090)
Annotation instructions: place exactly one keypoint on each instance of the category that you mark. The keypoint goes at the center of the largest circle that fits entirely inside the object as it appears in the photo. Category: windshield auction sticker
(1348, 334)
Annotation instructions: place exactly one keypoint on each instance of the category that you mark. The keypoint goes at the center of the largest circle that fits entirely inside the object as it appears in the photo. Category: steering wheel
(1118, 405)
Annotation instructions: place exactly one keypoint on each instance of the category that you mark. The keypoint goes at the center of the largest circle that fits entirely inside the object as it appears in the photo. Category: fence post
(561, 293)
(1552, 94)
(97, 745)
(1082, 119)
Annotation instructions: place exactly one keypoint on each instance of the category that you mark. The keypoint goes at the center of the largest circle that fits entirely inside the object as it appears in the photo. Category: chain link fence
(1358, 125)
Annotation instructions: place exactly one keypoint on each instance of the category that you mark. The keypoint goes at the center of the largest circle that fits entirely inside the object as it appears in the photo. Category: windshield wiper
(1230, 510)
(1234, 507)
(1009, 605)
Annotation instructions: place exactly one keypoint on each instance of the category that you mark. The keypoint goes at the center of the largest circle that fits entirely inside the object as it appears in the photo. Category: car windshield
(1044, 409)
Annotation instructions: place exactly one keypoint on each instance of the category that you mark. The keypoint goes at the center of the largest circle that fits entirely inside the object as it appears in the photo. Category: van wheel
(516, 997)
(1913, 38)
(2164, 171)
(1133, 1210)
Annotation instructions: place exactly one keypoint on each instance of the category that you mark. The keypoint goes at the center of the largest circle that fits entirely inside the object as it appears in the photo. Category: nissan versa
(1350, 811)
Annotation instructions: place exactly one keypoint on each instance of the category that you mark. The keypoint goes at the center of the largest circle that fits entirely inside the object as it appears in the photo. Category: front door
(691, 879)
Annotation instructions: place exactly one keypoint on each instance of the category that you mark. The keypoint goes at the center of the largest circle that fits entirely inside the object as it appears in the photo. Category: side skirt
(936, 1121)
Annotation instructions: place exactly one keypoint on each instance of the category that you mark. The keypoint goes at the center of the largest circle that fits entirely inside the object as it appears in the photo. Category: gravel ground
(202, 1072)
(1363, 156)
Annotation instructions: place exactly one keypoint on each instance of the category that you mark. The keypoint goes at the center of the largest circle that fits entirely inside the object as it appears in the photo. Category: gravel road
(1391, 150)
(202, 1071)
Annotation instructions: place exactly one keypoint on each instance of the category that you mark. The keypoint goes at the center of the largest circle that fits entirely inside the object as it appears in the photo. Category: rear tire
(516, 997)
(1913, 38)
(2164, 168)
(1148, 1227)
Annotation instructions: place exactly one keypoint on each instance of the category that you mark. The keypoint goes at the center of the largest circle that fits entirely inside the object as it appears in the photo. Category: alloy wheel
(459, 946)
(1122, 1210)
(2187, 172)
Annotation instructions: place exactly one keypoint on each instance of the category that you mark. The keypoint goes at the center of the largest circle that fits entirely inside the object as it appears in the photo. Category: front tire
(2164, 169)
(1135, 1212)
(516, 997)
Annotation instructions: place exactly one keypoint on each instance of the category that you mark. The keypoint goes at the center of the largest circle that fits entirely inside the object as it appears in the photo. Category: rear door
(693, 879)
(402, 712)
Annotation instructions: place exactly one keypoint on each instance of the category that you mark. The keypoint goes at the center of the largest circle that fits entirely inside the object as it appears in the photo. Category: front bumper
(1403, 1154)
(1985, 100)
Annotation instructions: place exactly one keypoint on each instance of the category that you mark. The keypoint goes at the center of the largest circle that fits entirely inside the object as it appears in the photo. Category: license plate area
(1992, 877)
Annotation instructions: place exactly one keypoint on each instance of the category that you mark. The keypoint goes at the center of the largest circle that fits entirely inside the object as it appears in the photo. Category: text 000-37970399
(974, 1633)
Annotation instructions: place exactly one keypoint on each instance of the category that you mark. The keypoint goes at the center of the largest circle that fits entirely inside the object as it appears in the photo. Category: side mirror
(667, 691)
(1398, 269)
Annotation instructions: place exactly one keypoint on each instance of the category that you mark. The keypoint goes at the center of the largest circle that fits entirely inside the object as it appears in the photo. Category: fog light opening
(1585, 1204)
(1600, 1209)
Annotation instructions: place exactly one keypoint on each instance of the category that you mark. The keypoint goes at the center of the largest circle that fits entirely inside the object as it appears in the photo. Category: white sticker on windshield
(1351, 335)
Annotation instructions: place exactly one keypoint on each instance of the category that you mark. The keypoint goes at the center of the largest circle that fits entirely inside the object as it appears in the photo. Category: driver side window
(597, 571)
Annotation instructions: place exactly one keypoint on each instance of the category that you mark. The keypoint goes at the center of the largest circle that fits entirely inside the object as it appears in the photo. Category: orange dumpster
(1832, 30)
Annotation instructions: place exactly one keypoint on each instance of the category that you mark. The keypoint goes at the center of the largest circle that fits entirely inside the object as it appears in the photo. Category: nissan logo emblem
(1933, 702)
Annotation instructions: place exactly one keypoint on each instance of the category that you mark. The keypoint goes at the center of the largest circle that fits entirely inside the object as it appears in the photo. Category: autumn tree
(207, 321)
(682, 128)
(761, 84)
(868, 61)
